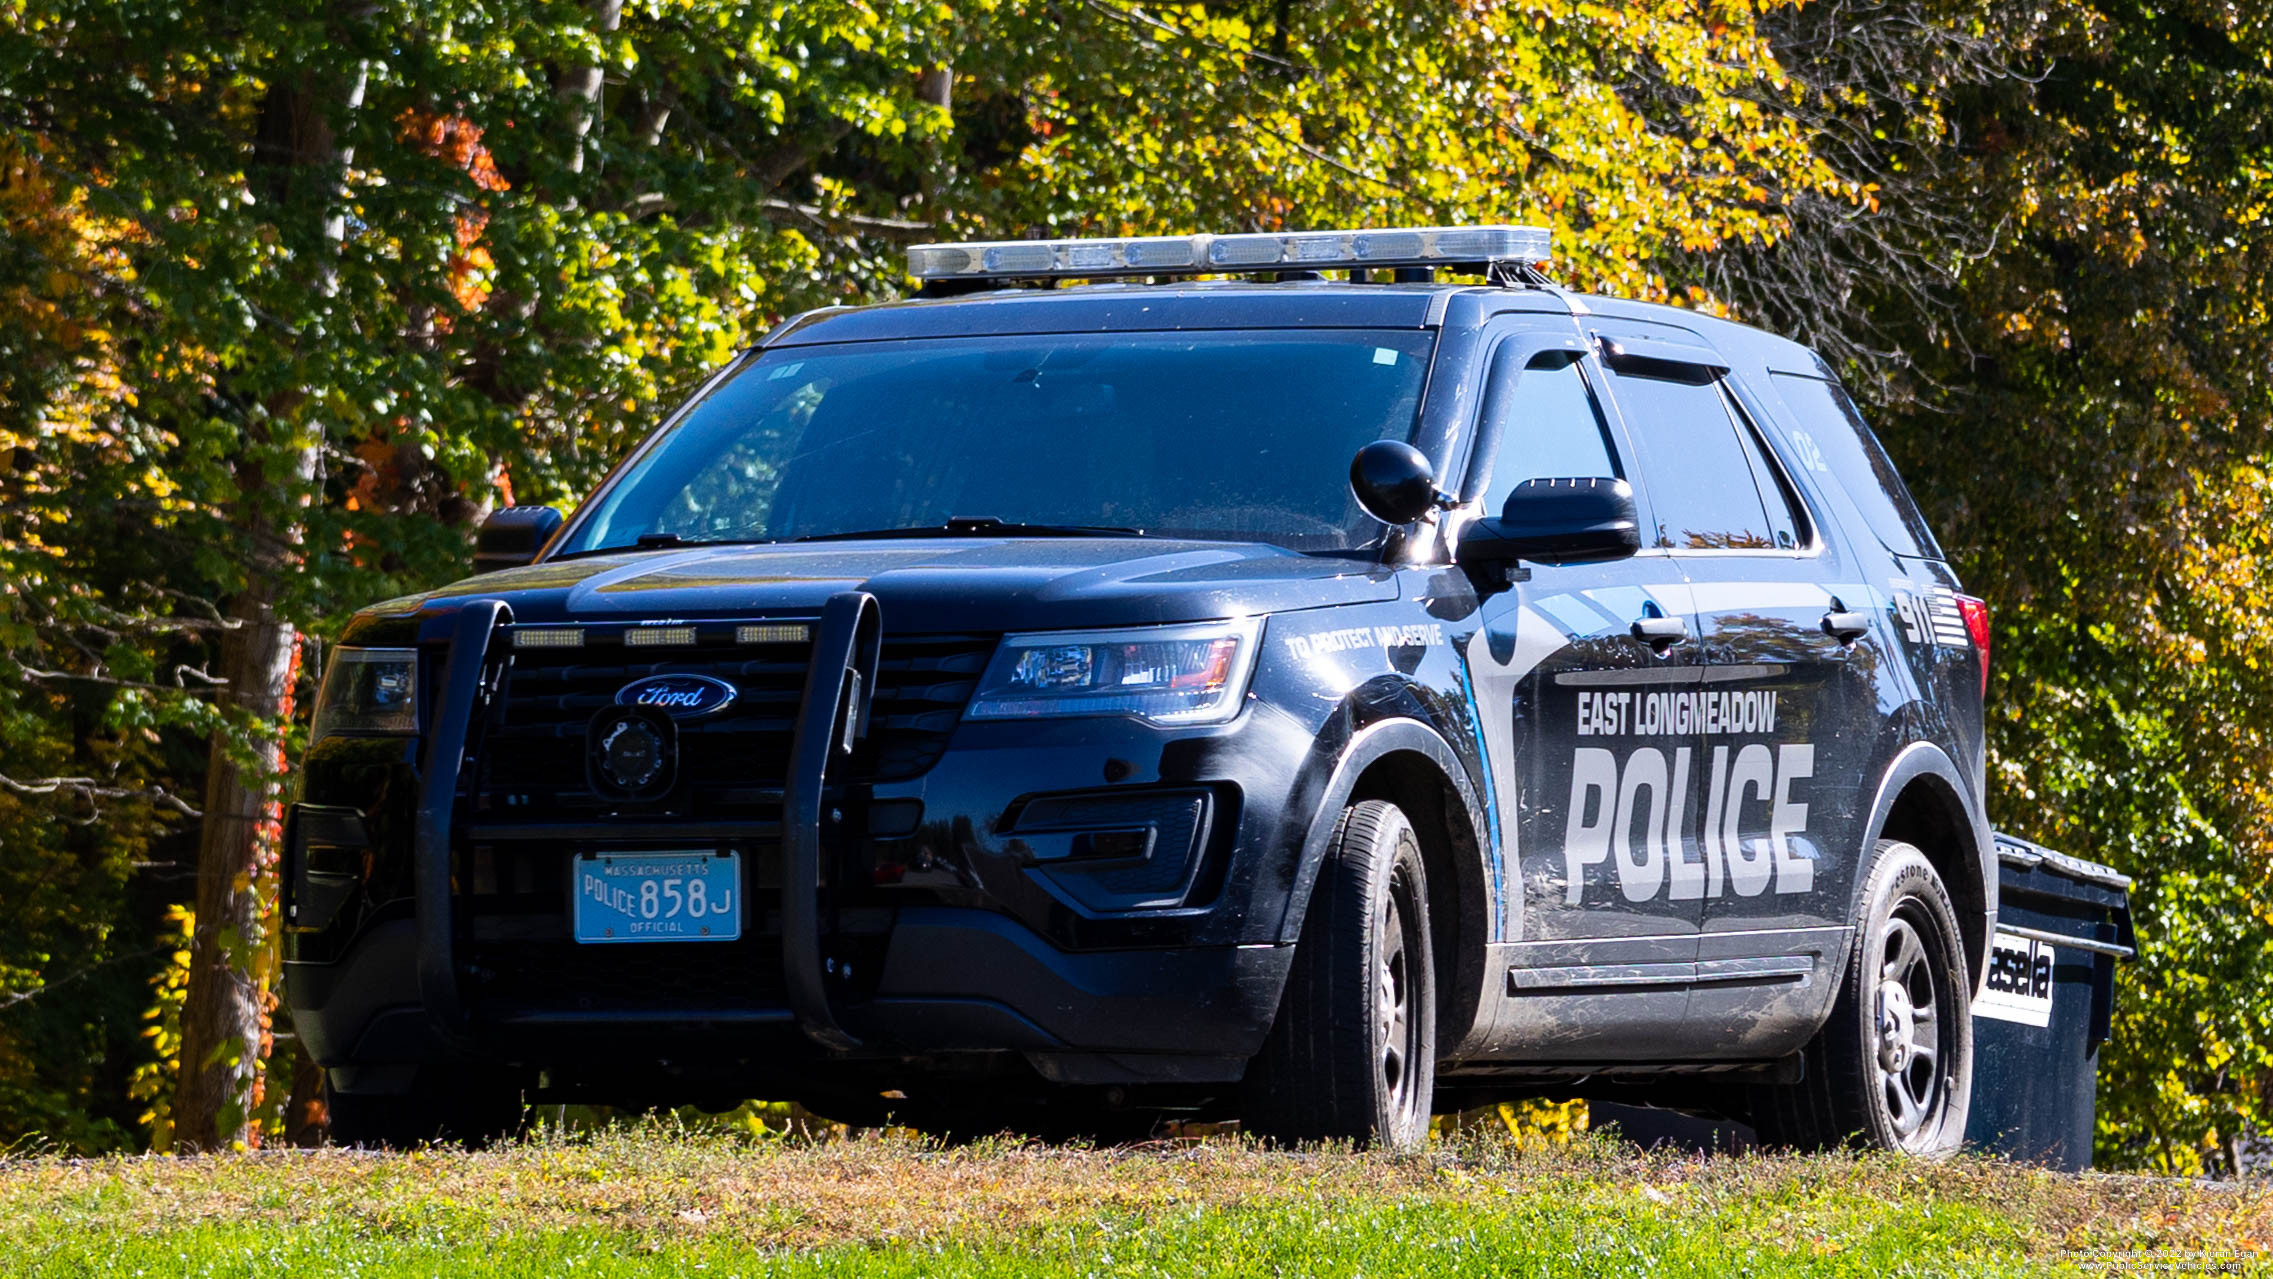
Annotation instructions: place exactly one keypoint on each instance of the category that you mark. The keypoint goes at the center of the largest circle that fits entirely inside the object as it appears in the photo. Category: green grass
(657, 1200)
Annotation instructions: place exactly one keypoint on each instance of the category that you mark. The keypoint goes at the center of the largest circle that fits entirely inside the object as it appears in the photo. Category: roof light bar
(1231, 254)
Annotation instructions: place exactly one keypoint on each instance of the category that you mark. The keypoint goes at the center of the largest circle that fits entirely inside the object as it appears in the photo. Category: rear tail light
(1976, 614)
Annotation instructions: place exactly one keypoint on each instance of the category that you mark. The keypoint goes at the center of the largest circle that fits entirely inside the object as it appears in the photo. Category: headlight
(1161, 674)
(368, 692)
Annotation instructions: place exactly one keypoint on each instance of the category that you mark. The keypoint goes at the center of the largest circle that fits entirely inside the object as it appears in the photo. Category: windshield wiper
(980, 526)
(665, 542)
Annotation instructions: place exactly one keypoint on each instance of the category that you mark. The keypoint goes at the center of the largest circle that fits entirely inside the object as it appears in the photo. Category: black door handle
(1661, 633)
(1844, 624)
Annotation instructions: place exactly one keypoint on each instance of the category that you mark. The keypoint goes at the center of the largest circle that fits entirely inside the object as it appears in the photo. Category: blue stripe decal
(1491, 798)
(1622, 603)
(1575, 615)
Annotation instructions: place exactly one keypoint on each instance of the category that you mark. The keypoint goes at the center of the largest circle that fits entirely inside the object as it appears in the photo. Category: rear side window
(1708, 486)
(1832, 438)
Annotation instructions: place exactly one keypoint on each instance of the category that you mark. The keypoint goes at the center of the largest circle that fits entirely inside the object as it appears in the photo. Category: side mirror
(1558, 522)
(512, 537)
(1393, 481)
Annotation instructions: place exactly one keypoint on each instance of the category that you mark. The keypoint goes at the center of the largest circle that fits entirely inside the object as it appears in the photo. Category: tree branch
(13, 998)
(896, 229)
(91, 789)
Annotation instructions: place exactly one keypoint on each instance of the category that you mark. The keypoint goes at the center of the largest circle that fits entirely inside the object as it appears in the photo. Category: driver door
(1595, 773)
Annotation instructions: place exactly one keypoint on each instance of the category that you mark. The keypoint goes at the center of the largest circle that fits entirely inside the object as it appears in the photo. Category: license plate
(692, 896)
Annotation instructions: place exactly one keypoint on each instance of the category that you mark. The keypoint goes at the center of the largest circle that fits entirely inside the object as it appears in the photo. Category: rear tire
(1893, 1067)
(470, 1109)
(1352, 1053)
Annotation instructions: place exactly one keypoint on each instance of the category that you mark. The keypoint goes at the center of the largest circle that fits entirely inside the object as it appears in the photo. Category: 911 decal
(1633, 813)
(1931, 616)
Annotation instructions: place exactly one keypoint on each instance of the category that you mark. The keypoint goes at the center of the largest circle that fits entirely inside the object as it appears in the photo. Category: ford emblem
(678, 696)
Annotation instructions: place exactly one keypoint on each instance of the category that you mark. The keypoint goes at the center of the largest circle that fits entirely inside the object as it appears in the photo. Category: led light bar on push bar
(1232, 254)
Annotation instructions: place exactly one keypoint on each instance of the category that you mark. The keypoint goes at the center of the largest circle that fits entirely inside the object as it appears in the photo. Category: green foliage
(2058, 297)
(1631, 129)
(2090, 435)
(151, 1082)
(199, 373)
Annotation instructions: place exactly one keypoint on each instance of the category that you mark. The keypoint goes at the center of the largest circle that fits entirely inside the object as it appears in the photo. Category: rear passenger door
(1933, 670)
(1788, 712)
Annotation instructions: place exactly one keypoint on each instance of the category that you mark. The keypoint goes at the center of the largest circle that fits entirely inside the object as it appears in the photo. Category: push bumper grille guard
(832, 718)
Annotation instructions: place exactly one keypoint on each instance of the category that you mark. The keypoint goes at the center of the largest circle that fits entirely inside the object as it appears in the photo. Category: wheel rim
(1909, 1029)
(1397, 1028)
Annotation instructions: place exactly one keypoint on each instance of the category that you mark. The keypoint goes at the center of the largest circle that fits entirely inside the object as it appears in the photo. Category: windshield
(1237, 436)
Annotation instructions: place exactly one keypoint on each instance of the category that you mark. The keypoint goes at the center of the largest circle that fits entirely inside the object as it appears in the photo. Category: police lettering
(1635, 816)
(1669, 712)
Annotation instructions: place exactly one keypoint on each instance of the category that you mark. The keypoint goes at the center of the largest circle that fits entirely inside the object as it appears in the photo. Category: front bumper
(993, 956)
(954, 981)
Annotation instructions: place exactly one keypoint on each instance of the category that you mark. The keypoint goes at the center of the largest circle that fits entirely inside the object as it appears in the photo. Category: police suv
(1320, 694)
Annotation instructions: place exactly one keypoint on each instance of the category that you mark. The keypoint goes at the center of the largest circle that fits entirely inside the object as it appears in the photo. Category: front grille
(731, 764)
(512, 893)
(922, 683)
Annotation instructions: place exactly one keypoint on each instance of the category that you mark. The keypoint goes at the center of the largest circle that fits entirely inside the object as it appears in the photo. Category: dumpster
(2043, 1006)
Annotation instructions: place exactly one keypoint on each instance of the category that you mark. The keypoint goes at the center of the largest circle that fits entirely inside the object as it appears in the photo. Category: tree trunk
(579, 87)
(225, 1009)
(936, 85)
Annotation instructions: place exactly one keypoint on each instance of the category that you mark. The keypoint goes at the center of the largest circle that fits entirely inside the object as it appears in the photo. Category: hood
(937, 584)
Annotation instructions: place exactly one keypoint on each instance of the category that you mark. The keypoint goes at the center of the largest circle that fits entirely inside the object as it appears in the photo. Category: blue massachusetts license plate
(694, 896)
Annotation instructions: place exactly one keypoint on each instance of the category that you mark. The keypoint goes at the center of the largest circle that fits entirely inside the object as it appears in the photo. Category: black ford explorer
(1315, 701)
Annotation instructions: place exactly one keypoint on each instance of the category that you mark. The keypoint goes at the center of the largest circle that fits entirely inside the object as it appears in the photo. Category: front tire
(1352, 1054)
(1893, 1068)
